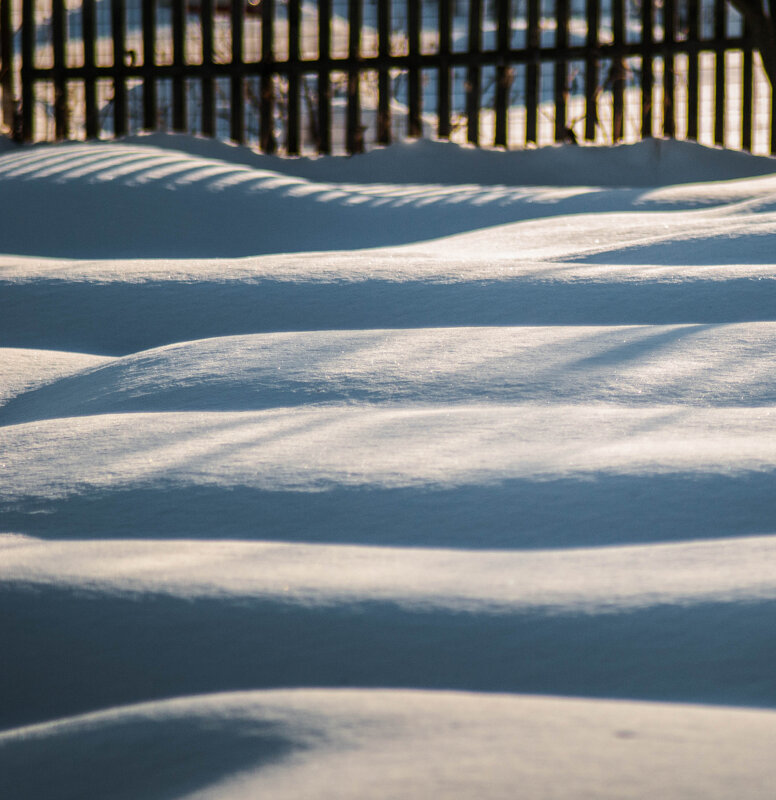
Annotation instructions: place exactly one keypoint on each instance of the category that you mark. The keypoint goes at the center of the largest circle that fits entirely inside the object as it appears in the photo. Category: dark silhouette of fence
(453, 64)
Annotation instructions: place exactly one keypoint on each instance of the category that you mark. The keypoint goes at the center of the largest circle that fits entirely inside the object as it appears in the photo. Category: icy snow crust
(522, 444)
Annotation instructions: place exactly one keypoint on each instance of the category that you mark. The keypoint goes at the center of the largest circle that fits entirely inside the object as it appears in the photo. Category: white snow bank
(124, 316)
(689, 364)
(23, 370)
(91, 645)
(314, 449)
(315, 744)
(327, 472)
(116, 622)
(131, 199)
(652, 162)
(592, 580)
(472, 476)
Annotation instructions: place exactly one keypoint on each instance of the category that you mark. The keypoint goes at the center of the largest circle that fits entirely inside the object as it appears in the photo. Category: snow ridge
(269, 491)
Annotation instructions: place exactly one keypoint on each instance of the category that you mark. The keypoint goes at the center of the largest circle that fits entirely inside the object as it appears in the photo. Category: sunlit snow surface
(339, 477)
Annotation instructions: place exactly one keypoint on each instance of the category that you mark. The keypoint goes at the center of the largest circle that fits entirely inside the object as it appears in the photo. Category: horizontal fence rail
(340, 75)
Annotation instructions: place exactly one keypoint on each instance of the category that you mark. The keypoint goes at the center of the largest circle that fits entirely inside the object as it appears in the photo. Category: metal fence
(341, 75)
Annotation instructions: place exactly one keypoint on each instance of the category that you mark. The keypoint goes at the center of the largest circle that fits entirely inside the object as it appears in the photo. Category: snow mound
(314, 423)
(131, 199)
(652, 162)
(333, 744)
(634, 364)
(23, 370)
(447, 475)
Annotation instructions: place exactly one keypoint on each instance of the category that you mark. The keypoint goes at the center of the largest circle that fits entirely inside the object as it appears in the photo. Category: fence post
(90, 83)
(292, 117)
(746, 91)
(693, 10)
(149, 60)
(118, 30)
(473, 89)
(618, 72)
(178, 60)
(323, 125)
(354, 138)
(592, 68)
(414, 122)
(383, 73)
(58, 34)
(208, 95)
(6, 66)
(647, 75)
(443, 77)
(28, 58)
(561, 69)
(503, 72)
(236, 93)
(669, 36)
(773, 122)
(532, 72)
(267, 110)
(720, 19)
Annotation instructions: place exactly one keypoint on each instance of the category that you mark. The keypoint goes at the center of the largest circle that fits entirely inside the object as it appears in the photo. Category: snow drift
(290, 449)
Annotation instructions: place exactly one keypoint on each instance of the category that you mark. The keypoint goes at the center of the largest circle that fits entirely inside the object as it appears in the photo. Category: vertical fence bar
(443, 80)
(292, 101)
(178, 61)
(747, 79)
(267, 109)
(383, 75)
(28, 58)
(592, 66)
(503, 72)
(90, 83)
(149, 59)
(414, 123)
(58, 34)
(772, 13)
(693, 36)
(236, 76)
(118, 24)
(561, 69)
(354, 137)
(208, 93)
(532, 72)
(669, 35)
(720, 29)
(6, 66)
(647, 74)
(473, 91)
(618, 71)
(323, 125)
(773, 121)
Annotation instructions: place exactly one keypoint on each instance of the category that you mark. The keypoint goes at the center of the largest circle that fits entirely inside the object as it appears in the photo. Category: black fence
(324, 75)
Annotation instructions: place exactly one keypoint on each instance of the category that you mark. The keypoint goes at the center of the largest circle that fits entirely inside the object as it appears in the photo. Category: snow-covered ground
(426, 473)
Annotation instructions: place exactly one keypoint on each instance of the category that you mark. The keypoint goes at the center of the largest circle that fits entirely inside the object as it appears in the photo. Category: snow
(229, 747)
(292, 448)
(194, 206)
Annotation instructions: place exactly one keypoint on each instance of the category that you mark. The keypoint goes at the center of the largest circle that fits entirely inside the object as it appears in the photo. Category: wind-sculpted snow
(396, 744)
(124, 317)
(24, 370)
(724, 364)
(134, 200)
(350, 426)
